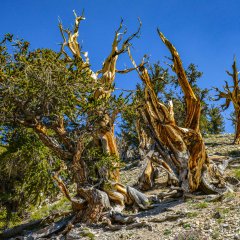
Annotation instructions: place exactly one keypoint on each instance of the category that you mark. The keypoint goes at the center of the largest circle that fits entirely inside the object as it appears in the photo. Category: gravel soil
(183, 219)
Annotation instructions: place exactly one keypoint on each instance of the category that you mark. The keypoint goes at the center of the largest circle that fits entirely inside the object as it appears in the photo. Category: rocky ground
(190, 218)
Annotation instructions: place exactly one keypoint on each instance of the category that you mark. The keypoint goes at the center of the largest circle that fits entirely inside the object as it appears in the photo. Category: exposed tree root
(172, 217)
(170, 194)
(18, 230)
(52, 228)
(117, 217)
(208, 198)
(210, 185)
(137, 225)
(126, 223)
(152, 165)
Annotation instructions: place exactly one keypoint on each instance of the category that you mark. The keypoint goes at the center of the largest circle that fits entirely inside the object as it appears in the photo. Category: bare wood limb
(61, 185)
(109, 66)
(192, 102)
(52, 228)
(137, 225)
(130, 69)
(61, 132)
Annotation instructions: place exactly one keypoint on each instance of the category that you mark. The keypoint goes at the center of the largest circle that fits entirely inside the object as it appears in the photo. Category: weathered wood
(152, 164)
(52, 228)
(237, 131)
(146, 178)
(92, 200)
(192, 102)
(19, 229)
(139, 198)
(108, 74)
(174, 139)
(182, 149)
(97, 201)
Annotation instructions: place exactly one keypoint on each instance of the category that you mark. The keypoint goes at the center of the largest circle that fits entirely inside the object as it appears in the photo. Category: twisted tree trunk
(107, 192)
(182, 149)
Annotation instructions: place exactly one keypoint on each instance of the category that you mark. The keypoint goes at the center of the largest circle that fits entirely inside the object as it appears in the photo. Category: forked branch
(109, 66)
(71, 41)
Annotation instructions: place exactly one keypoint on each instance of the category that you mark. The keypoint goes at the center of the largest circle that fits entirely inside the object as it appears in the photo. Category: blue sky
(206, 33)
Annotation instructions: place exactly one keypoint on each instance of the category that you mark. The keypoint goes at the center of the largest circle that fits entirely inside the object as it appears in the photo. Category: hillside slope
(192, 217)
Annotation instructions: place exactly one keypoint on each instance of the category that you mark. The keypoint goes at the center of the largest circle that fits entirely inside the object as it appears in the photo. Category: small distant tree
(216, 122)
(233, 119)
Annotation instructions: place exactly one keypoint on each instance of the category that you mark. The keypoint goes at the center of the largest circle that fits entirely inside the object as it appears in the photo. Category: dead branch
(137, 225)
(109, 66)
(192, 102)
(170, 194)
(52, 228)
(114, 227)
(18, 230)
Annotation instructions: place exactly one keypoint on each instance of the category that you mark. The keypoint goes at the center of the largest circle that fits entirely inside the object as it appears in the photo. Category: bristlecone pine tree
(182, 150)
(232, 94)
(71, 109)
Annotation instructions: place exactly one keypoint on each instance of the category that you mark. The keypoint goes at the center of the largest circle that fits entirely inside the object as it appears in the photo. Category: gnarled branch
(193, 107)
